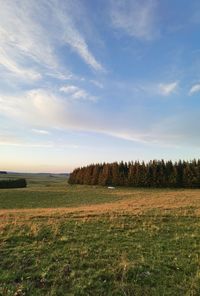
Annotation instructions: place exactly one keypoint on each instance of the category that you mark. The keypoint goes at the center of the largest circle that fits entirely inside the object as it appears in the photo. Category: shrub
(17, 183)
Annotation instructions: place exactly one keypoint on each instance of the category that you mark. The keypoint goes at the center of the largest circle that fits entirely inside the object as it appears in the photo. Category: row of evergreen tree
(155, 173)
(11, 183)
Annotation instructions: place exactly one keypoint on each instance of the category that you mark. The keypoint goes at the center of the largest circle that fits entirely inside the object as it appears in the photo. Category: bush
(18, 183)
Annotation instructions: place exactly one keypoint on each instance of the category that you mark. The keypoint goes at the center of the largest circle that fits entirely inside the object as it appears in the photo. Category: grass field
(57, 239)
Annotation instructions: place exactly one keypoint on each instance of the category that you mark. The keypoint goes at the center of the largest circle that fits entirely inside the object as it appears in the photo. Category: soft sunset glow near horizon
(93, 81)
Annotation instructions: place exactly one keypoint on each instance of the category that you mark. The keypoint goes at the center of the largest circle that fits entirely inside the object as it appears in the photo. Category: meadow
(60, 239)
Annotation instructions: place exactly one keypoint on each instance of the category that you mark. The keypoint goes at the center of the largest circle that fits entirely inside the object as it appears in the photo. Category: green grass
(18, 199)
(122, 255)
(119, 254)
(52, 191)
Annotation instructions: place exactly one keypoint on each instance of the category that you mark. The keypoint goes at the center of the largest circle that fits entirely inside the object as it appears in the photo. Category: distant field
(51, 191)
(57, 239)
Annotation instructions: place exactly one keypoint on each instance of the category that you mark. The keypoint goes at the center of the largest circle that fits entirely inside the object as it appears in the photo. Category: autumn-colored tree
(152, 174)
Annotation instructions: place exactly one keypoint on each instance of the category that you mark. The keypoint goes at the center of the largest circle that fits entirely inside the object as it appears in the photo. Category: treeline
(157, 174)
(17, 183)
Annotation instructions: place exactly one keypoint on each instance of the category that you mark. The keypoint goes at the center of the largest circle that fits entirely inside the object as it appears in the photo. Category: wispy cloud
(44, 109)
(41, 110)
(97, 83)
(194, 89)
(167, 88)
(69, 89)
(136, 18)
(39, 131)
(36, 107)
(24, 39)
(77, 93)
(29, 43)
(148, 88)
(71, 35)
(10, 139)
(12, 65)
(22, 144)
(79, 45)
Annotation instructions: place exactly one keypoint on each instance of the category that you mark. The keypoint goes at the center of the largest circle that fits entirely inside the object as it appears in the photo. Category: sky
(87, 81)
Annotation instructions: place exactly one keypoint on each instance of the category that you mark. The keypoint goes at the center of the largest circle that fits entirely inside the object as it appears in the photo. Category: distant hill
(38, 174)
(3, 172)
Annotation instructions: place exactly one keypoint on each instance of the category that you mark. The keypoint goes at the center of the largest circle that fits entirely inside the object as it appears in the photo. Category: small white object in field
(110, 187)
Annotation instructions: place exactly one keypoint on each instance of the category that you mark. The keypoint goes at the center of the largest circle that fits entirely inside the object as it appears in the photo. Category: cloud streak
(41, 132)
(71, 35)
(167, 89)
(29, 42)
(136, 18)
(194, 89)
(12, 66)
(41, 110)
(77, 93)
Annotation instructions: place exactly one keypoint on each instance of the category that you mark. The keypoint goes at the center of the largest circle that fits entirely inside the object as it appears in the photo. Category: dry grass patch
(137, 203)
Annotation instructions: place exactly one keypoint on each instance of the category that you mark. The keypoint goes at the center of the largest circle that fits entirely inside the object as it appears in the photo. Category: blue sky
(98, 80)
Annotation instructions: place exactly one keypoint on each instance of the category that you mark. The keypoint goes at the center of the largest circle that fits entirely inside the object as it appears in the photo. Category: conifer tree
(152, 174)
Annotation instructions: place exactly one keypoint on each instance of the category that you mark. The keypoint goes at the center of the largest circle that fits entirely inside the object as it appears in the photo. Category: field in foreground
(57, 239)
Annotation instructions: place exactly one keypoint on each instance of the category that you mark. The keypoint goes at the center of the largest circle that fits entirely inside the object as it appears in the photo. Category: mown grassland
(66, 240)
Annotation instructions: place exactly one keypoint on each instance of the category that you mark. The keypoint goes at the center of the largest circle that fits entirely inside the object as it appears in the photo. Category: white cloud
(12, 66)
(167, 88)
(26, 143)
(46, 110)
(80, 94)
(77, 93)
(10, 139)
(21, 140)
(194, 89)
(31, 33)
(147, 89)
(136, 18)
(60, 76)
(71, 35)
(22, 36)
(42, 108)
(36, 107)
(22, 144)
(76, 41)
(39, 131)
(128, 135)
(97, 83)
(83, 95)
(68, 89)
